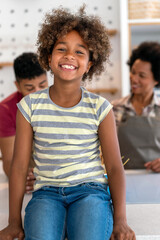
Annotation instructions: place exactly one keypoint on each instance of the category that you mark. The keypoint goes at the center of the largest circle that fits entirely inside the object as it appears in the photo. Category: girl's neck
(66, 96)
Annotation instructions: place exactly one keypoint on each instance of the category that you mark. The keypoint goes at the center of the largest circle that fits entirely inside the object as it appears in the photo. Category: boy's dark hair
(60, 22)
(148, 52)
(27, 66)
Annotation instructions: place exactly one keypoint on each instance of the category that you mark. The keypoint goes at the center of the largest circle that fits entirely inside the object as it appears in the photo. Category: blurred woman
(138, 115)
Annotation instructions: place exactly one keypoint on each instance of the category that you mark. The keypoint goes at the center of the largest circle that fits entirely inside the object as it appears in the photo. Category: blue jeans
(82, 212)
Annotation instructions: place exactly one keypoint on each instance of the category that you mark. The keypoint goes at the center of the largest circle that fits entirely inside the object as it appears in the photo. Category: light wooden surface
(6, 64)
(103, 90)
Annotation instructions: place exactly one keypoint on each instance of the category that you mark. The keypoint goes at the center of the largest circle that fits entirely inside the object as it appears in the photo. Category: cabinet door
(145, 31)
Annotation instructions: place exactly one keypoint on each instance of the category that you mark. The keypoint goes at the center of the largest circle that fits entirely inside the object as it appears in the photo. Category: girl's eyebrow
(60, 43)
(79, 45)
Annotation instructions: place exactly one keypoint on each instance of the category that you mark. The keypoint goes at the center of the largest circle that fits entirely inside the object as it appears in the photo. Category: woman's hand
(11, 232)
(153, 165)
(121, 231)
(30, 180)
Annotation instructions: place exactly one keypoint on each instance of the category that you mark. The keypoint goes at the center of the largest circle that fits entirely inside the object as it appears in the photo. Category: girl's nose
(69, 56)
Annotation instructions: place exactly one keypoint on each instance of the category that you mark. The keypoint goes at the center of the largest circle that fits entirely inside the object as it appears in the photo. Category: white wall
(19, 24)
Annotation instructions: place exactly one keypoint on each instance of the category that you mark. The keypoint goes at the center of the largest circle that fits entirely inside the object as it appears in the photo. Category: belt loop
(63, 191)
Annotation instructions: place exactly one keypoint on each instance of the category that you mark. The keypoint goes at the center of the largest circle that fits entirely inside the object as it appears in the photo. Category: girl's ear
(89, 66)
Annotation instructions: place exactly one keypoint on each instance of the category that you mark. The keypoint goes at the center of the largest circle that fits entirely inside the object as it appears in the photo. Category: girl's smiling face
(70, 58)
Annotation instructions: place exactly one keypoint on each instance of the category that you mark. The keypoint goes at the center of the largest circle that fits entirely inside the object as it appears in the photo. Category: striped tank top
(66, 143)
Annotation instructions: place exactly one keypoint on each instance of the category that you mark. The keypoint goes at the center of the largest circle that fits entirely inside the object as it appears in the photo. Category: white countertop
(143, 203)
(143, 218)
(142, 186)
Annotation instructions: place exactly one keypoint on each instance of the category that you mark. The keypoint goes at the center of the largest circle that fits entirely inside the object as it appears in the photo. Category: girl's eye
(79, 52)
(61, 49)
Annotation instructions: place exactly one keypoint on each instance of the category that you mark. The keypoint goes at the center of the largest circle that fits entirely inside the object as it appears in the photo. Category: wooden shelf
(103, 90)
(6, 64)
(112, 32)
(144, 21)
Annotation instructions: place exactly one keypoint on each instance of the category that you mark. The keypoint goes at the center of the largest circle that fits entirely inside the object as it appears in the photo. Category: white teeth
(68, 66)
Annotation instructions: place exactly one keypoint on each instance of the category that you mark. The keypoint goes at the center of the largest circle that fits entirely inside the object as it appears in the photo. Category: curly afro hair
(93, 32)
(148, 52)
(27, 66)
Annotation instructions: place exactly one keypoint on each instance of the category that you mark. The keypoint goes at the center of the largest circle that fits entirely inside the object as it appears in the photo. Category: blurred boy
(30, 77)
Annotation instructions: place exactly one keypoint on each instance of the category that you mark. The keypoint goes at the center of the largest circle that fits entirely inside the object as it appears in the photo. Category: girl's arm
(116, 177)
(17, 179)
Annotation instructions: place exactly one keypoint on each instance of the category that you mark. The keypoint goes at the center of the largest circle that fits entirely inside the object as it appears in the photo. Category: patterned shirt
(66, 143)
(123, 108)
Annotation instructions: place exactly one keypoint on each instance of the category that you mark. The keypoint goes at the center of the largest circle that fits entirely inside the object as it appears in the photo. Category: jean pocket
(96, 186)
(99, 186)
(47, 188)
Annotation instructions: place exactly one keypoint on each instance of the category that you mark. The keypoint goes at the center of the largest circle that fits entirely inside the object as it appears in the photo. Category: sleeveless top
(66, 143)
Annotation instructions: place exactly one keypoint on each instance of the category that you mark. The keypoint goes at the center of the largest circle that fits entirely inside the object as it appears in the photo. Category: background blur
(128, 22)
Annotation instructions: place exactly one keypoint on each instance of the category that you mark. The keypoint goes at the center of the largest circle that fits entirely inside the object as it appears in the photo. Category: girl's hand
(121, 231)
(11, 232)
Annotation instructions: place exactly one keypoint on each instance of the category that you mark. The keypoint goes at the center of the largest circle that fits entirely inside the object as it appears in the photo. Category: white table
(142, 186)
(143, 203)
(143, 215)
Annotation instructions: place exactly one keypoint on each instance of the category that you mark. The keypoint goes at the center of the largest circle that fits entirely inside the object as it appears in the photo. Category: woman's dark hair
(60, 22)
(148, 52)
(26, 66)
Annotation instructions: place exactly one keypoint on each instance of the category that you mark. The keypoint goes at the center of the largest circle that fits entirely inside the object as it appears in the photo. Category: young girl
(68, 124)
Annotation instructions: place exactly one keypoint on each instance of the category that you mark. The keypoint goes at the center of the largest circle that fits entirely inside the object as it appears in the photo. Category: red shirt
(8, 110)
